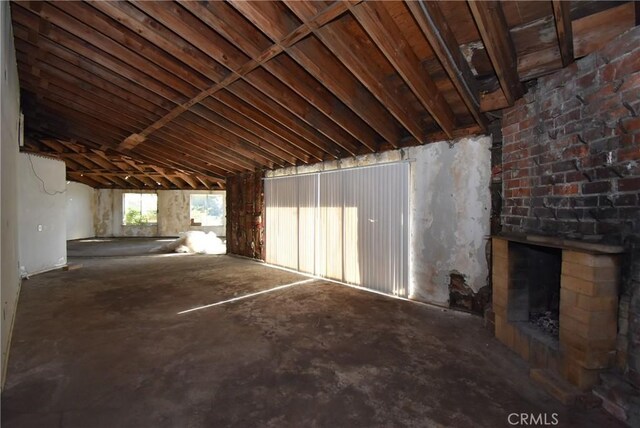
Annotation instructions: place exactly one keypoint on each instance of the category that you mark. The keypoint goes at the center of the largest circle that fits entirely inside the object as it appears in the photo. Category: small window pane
(140, 208)
(207, 210)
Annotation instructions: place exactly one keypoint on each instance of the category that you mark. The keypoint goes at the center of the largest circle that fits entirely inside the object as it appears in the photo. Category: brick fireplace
(577, 283)
(571, 172)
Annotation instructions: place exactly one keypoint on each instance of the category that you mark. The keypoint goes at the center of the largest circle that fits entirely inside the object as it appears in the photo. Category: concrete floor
(106, 346)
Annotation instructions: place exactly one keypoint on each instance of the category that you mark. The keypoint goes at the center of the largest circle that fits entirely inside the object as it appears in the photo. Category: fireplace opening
(535, 286)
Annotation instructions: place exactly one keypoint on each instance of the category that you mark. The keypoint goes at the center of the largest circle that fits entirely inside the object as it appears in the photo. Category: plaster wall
(450, 204)
(42, 201)
(173, 214)
(9, 133)
(79, 211)
(108, 216)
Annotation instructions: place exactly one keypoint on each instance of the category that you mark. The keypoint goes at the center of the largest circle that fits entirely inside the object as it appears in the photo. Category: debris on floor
(71, 266)
(195, 241)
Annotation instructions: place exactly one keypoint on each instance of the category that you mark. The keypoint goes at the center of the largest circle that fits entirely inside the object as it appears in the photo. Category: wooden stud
(492, 25)
(562, 14)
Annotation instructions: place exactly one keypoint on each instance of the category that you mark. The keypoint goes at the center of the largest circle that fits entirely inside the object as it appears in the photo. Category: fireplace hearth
(555, 303)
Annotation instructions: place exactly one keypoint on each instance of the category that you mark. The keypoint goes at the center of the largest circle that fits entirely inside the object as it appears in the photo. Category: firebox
(555, 303)
(535, 273)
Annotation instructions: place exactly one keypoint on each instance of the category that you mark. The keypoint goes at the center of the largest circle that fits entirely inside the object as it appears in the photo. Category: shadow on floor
(113, 344)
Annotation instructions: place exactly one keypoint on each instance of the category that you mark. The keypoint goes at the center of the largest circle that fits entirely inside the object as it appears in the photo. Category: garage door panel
(358, 233)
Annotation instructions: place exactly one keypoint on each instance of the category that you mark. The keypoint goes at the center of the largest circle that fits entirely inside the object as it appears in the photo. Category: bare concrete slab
(110, 345)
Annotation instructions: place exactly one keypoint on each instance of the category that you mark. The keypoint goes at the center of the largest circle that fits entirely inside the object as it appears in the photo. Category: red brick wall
(571, 151)
(245, 204)
(571, 166)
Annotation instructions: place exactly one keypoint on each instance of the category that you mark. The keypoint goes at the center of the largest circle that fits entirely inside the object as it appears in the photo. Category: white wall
(79, 211)
(108, 215)
(9, 273)
(173, 214)
(42, 204)
(449, 208)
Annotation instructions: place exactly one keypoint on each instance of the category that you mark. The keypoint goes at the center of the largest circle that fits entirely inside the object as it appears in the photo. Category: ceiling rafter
(249, 66)
(318, 60)
(562, 15)
(290, 83)
(436, 30)
(218, 49)
(101, 169)
(234, 29)
(492, 25)
(379, 25)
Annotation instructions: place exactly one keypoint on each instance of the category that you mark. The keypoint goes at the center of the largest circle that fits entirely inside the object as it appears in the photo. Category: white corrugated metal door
(348, 225)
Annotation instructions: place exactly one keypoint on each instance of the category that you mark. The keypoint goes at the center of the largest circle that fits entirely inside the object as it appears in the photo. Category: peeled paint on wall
(451, 216)
(174, 215)
(108, 216)
(450, 203)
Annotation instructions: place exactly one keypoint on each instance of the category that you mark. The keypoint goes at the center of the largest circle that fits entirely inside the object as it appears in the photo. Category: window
(207, 210)
(139, 208)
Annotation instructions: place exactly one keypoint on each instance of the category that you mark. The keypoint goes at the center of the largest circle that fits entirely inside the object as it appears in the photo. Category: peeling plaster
(173, 214)
(450, 208)
(468, 50)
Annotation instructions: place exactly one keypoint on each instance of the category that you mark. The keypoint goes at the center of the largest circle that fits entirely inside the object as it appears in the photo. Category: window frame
(221, 195)
(142, 212)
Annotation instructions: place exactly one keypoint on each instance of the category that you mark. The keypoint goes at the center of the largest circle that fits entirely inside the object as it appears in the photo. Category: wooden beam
(562, 15)
(318, 61)
(188, 179)
(249, 66)
(492, 25)
(348, 48)
(593, 32)
(438, 33)
(380, 26)
(244, 36)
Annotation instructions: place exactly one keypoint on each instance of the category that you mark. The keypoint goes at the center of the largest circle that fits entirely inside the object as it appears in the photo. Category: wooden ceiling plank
(86, 93)
(593, 32)
(492, 25)
(161, 36)
(132, 41)
(382, 29)
(96, 74)
(188, 164)
(320, 63)
(562, 15)
(80, 46)
(243, 128)
(104, 113)
(83, 29)
(241, 107)
(209, 129)
(438, 33)
(191, 181)
(246, 92)
(265, 83)
(143, 177)
(182, 137)
(167, 177)
(243, 35)
(71, 114)
(76, 97)
(192, 164)
(222, 55)
(347, 49)
(84, 180)
(203, 181)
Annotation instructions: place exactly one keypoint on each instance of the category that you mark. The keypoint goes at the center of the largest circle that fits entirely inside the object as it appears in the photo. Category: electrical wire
(44, 186)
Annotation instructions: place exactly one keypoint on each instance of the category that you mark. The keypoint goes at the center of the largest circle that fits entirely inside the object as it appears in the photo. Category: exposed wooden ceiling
(109, 169)
(211, 89)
